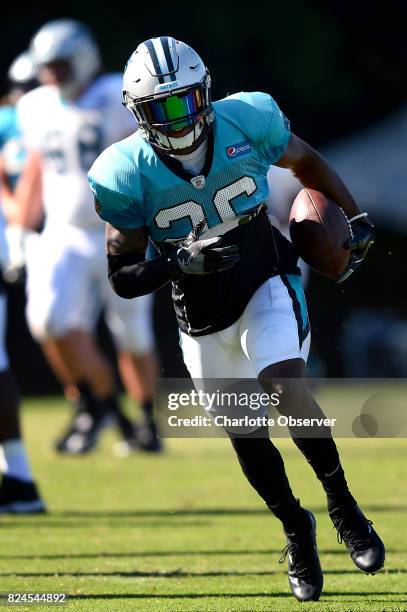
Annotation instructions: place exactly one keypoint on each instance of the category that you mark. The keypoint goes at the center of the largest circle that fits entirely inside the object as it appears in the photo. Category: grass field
(184, 532)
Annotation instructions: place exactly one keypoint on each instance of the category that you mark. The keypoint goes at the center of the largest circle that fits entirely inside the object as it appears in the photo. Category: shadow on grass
(209, 511)
(176, 596)
(139, 518)
(29, 523)
(179, 553)
(272, 595)
(176, 574)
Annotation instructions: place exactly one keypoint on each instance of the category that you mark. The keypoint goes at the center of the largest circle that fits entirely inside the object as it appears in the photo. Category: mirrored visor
(183, 107)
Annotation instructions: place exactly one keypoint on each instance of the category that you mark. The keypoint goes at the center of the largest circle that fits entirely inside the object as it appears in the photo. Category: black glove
(202, 256)
(359, 244)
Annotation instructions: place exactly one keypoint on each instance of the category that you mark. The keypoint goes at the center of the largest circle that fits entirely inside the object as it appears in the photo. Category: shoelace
(301, 569)
(345, 534)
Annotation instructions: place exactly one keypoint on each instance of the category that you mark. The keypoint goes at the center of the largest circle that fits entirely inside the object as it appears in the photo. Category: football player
(66, 122)
(194, 179)
(18, 491)
(21, 78)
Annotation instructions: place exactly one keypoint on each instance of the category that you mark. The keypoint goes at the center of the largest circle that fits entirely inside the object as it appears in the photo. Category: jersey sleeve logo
(236, 150)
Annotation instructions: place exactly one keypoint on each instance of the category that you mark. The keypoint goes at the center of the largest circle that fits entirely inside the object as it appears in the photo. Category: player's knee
(287, 381)
(249, 443)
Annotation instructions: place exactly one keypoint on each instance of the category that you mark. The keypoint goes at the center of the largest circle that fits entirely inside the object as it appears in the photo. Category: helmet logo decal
(167, 86)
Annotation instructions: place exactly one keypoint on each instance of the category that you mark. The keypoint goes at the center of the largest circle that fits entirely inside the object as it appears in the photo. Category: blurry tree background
(334, 68)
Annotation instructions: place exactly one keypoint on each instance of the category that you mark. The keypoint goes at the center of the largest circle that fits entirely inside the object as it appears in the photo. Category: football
(319, 229)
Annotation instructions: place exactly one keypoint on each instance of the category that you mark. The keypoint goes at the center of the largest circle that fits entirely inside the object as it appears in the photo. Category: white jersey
(70, 136)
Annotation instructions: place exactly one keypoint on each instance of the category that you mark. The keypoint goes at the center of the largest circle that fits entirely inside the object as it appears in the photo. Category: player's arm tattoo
(121, 241)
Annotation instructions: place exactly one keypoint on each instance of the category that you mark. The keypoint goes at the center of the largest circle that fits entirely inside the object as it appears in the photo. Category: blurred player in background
(194, 179)
(18, 491)
(21, 78)
(66, 122)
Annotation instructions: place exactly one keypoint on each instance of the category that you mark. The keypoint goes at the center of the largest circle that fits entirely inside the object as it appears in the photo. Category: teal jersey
(136, 187)
(8, 124)
(12, 151)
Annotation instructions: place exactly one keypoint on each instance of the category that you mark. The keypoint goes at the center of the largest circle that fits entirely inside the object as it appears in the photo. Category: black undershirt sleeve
(131, 275)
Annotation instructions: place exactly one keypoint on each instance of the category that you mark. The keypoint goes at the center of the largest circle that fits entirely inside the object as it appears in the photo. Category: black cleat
(91, 417)
(147, 438)
(144, 439)
(83, 433)
(304, 570)
(20, 497)
(363, 543)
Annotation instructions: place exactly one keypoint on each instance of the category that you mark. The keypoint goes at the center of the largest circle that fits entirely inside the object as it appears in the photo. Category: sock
(149, 420)
(293, 517)
(16, 460)
(95, 405)
(263, 467)
(99, 407)
(111, 405)
(322, 455)
(148, 411)
(336, 489)
(87, 401)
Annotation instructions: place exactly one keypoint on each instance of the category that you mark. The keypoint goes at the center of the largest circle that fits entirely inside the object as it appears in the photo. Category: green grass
(184, 531)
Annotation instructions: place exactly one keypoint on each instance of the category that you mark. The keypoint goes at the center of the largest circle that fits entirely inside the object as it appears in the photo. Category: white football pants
(67, 287)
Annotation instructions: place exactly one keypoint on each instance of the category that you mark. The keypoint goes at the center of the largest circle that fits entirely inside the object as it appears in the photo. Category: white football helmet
(167, 87)
(67, 39)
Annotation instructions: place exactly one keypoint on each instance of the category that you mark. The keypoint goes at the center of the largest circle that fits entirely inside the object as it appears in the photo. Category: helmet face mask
(57, 72)
(172, 106)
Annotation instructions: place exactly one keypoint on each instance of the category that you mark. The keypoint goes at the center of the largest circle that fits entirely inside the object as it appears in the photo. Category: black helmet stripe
(154, 59)
(168, 58)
